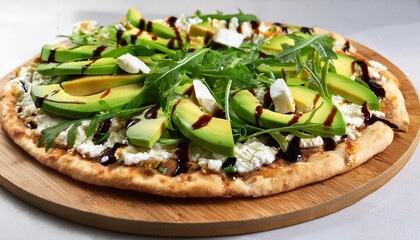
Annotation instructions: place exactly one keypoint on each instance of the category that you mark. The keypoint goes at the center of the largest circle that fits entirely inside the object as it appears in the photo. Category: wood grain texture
(134, 212)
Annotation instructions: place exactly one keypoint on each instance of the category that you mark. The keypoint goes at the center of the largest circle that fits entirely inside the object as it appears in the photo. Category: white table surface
(391, 28)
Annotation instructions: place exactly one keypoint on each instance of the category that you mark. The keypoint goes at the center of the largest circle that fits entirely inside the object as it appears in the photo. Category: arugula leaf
(312, 54)
(166, 73)
(51, 133)
(71, 136)
(242, 17)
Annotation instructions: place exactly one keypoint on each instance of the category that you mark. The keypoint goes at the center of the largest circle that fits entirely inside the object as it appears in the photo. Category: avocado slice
(203, 29)
(90, 67)
(247, 107)
(281, 70)
(160, 30)
(352, 91)
(274, 45)
(151, 125)
(88, 85)
(99, 66)
(61, 53)
(213, 134)
(52, 98)
(344, 65)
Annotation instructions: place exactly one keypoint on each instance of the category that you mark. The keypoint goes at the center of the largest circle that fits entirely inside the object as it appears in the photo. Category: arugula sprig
(312, 54)
(51, 133)
(303, 130)
(242, 17)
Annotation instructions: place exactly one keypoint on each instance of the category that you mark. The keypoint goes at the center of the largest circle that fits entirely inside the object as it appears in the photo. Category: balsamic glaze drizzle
(51, 56)
(202, 121)
(374, 86)
(130, 122)
(293, 153)
(329, 144)
(182, 158)
(152, 112)
(103, 128)
(108, 157)
(97, 52)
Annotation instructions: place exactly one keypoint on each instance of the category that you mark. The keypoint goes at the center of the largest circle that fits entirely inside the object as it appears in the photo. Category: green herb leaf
(51, 133)
(71, 136)
(230, 169)
(242, 17)
(104, 137)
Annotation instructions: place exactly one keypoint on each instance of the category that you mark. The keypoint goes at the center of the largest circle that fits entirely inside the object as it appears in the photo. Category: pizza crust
(263, 181)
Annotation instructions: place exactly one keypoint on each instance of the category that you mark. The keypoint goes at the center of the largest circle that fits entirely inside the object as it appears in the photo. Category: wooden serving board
(133, 212)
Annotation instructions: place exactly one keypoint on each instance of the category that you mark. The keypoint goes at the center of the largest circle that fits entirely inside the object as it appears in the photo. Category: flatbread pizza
(203, 106)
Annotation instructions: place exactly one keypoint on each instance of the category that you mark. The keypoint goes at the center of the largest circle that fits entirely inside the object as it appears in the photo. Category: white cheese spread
(252, 154)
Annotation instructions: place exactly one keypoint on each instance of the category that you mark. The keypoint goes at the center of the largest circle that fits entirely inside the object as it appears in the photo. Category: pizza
(217, 105)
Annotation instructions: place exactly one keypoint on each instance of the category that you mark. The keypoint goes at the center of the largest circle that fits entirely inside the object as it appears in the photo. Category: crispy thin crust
(264, 181)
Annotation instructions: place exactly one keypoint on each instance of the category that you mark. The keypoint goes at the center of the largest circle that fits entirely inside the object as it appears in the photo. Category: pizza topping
(182, 158)
(282, 97)
(293, 153)
(252, 154)
(297, 92)
(228, 38)
(205, 98)
(131, 64)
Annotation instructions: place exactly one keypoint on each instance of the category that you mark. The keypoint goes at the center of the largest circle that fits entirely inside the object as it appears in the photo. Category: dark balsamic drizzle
(171, 43)
(133, 38)
(189, 91)
(39, 101)
(346, 46)
(283, 28)
(202, 121)
(295, 119)
(293, 153)
(84, 67)
(51, 56)
(97, 52)
(257, 113)
(182, 158)
(31, 125)
(329, 144)
(152, 112)
(171, 21)
(370, 119)
(103, 128)
(105, 93)
(330, 119)
(220, 113)
(149, 26)
(374, 86)
(130, 122)
(119, 35)
(22, 84)
(230, 162)
(306, 30)
(251, 91)
(267, 100)
(255, 25)
(108, 157)
(316, 100)
(142, 23)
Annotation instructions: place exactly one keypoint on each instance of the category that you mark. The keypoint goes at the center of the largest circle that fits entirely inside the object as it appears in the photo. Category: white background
(391, 28)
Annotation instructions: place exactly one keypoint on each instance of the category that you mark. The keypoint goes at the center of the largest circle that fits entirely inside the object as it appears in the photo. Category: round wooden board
(134, 212)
